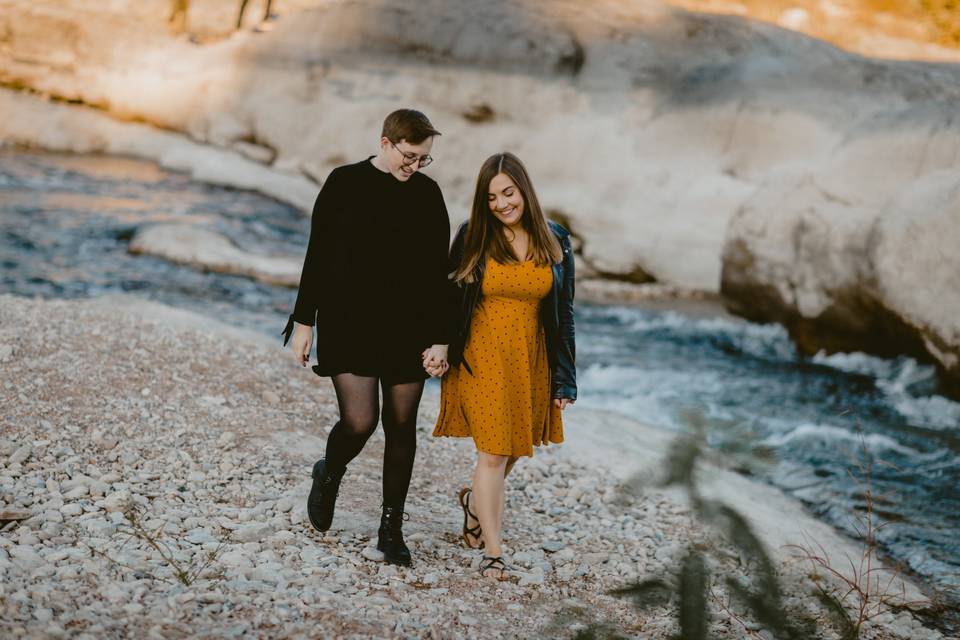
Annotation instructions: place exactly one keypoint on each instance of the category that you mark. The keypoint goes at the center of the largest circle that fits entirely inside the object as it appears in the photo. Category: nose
(502, 203)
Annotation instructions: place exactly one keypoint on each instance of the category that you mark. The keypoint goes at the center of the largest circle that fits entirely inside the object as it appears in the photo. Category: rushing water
(66, 222)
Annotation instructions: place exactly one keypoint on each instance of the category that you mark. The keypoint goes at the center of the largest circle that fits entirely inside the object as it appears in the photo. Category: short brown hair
(408, 124)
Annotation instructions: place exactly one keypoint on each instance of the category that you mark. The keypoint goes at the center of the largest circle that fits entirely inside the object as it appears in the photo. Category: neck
(380, 162)
(514, 230)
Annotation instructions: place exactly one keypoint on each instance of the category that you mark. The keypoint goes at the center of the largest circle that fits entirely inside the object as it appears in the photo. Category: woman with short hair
(374, 283)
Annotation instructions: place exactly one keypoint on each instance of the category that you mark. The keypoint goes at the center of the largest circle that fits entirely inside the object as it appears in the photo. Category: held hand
(562, 403)
(435, 360)
(301, 342)
(436, 369)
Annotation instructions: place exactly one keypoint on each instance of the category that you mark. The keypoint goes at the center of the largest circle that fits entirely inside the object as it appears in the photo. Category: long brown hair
(484, 235)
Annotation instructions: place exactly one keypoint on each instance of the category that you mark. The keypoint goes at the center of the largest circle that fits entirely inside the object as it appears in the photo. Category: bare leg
(488, 498)
(503, 494)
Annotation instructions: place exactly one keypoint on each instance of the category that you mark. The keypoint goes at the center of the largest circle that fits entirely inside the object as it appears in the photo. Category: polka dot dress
(506, 404)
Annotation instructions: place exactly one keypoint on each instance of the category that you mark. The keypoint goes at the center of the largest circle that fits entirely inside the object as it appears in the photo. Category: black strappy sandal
(497, 564)
(468, 531)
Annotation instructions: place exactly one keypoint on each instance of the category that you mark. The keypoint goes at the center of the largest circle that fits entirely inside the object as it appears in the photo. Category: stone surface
(206, 249)
(848, 272)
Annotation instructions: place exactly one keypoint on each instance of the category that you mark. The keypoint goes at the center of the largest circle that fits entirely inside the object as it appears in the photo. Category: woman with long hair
(511, 362)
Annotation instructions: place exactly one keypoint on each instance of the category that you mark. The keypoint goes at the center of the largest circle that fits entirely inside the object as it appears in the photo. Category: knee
(491, 462)
(360, 425)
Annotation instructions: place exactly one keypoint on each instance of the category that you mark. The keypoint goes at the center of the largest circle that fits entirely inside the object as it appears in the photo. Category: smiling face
(505, 200)
(402, 159)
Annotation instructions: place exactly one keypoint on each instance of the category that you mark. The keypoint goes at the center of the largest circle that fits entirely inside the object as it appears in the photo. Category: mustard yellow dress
(506, 403)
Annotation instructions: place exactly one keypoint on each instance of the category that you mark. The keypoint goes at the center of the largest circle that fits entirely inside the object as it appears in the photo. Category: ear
(384, 143)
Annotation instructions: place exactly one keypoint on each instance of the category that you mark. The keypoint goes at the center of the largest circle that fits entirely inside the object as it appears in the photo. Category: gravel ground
(153, 477)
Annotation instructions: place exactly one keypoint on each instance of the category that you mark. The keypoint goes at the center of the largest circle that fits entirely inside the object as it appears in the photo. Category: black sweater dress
(374, 280)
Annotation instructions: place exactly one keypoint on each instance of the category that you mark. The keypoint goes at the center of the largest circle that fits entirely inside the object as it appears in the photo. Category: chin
(400, 175)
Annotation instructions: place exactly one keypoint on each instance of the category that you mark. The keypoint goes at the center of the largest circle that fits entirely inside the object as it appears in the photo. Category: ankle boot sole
(391, 559)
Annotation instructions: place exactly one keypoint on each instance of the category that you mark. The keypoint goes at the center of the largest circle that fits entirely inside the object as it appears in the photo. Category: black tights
(359, 402)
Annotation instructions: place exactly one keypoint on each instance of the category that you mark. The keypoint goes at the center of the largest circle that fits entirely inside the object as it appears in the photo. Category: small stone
(253, 531)
(77, 492)
(226, 438)
(9, 515)
(26, 558)
(43, 615)
(107, 443)
(117, 501)
(370, 553)
(552, 546)
(99, 527)
(21, 454)
(534, 577)
(199, 536)
(284, 505)
(236, 559)
(468, 621)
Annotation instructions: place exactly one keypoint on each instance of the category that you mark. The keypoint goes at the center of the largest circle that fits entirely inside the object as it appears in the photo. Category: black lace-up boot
(323, 495)
(390, 537)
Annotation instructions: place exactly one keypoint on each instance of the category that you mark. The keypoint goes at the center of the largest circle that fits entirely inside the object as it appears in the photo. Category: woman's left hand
(562, 403)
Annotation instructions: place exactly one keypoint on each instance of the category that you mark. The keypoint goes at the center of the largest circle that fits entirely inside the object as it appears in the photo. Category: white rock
(253, 531)
(25, 557)
(235, 559)
(117, 501)
(203, 248)
(838, 263)
(371, 553)
(21, 454)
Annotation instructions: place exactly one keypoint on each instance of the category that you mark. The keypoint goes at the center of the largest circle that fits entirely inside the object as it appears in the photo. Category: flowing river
(802, 424)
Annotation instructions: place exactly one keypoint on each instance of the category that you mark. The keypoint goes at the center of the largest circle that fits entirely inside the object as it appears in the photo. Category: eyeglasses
(409, 157)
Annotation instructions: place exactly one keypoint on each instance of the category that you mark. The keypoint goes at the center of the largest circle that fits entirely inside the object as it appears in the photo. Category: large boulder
(852, 275)
(207, 250)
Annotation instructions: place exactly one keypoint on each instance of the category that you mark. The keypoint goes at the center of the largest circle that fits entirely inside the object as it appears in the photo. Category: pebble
(252, 531)
(21, 454)
(371, 553)
(117, 501)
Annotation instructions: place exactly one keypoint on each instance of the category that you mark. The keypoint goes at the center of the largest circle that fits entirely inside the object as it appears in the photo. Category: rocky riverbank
(205, 435)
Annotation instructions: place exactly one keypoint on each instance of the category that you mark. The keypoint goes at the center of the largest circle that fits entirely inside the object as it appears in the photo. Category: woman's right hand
(301, 342)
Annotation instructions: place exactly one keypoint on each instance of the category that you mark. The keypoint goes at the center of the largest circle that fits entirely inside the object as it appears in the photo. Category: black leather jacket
(556, 314)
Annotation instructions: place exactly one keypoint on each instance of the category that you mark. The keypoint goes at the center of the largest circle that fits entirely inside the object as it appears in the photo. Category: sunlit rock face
(899, 29)
(658, 135)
